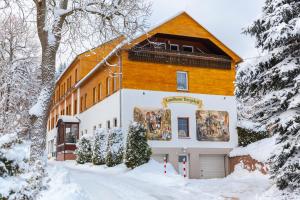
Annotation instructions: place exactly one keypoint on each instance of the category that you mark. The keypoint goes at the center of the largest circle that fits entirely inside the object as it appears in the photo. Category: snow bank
(241, 184)
(60, 186)
(260, 150)
(153, 172)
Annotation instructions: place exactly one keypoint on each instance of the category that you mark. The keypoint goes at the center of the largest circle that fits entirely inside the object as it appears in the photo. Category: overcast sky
(223, 18)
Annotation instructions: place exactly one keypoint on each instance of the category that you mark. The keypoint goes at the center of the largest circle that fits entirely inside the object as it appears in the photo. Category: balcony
(165, 56)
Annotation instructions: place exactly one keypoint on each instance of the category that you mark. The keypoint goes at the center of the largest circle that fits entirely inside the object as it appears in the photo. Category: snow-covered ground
(70, 181)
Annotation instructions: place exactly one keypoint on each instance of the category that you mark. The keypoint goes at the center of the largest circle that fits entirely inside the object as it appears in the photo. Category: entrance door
(182, 165)
(212, 166)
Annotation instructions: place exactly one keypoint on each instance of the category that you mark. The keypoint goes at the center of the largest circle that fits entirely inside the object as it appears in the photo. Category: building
(178, 79)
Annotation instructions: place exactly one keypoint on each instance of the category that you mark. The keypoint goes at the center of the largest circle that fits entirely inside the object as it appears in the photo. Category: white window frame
(174, 45)
(188, 46)
(159, 44)
(187, 80)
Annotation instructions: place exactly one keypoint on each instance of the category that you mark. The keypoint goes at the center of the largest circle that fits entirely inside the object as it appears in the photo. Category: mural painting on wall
(212, 125)
(157, 122)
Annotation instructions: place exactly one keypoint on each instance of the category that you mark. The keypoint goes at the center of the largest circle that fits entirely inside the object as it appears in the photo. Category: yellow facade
(138, 75)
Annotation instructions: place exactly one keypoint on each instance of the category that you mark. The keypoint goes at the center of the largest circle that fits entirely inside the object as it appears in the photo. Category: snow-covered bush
(247, 136)
(18, 180)
(137, 150)
(115, 147)
(268, 87)
(84, 150)
(99, 147)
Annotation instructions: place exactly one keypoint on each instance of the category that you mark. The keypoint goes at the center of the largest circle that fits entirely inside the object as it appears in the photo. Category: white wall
(107, 109)
(153, 99)
(51, 135)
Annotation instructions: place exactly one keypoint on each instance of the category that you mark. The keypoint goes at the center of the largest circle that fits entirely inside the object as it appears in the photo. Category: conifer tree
(99, 147)
(84, 150)
(137, 150)
(115, 147)
(269, 87)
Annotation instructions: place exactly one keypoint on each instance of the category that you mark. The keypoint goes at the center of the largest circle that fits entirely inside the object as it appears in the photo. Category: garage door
(159, 157)
(212, 166)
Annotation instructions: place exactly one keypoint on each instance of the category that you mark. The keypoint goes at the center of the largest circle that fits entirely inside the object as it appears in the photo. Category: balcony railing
(166, 56)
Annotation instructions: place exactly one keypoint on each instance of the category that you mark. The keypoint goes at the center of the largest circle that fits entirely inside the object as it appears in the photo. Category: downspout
(120, 82)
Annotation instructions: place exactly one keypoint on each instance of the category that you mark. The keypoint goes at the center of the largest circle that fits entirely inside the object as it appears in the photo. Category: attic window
(159, 45)
(174, 47)
(188, 48)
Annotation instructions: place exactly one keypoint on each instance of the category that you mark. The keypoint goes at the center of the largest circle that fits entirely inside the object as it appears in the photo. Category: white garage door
(212, 166)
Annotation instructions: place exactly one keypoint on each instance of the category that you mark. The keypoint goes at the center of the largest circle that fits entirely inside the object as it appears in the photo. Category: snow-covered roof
(68, 119)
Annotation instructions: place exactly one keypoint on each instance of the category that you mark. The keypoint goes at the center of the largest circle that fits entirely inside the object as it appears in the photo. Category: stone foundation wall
(248, 162)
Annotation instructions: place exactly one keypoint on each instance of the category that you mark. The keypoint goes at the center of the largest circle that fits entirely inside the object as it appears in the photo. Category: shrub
(115, 147)
(99, 147)
(84, 150)
(137, 151)
(247, 136)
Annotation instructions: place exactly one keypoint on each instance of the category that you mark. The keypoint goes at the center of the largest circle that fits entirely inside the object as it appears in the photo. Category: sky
(223, 18)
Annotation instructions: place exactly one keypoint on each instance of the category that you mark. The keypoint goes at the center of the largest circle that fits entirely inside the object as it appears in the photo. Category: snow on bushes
(17, 179)
(115, 147)
(99, 147)
(137, 150)
(84, 150)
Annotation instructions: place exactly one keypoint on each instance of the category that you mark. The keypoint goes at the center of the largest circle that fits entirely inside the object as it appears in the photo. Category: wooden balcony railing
(179, 58)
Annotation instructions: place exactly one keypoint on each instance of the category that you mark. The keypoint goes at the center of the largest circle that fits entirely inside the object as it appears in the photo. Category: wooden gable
(184, 25)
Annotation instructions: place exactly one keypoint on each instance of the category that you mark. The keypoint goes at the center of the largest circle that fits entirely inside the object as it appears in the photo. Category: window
(70, 112)
(94, 95)
(108, 124)
(70, 82)
(159, 45)
(174, 47)
(107, 86)
(99, 125)
(99, 91)
(183, 127)
(182, 81)
(75, 107)
(85, 99)
(71, 133)
(188, 48)
(94, 129)
(115, 122)
(115, 83)
(81, 104)
(85, 131)
(76, 75)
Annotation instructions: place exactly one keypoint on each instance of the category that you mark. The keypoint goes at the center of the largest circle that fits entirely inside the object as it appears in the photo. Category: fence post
(165, 165)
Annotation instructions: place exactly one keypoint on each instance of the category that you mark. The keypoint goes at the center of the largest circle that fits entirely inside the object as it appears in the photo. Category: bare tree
(18, 60)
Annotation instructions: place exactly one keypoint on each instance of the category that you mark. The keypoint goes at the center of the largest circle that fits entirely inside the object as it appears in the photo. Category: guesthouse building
(177, 79)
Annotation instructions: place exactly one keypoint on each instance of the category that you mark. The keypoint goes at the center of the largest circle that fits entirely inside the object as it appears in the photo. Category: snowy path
(87, 182)
(119, 187)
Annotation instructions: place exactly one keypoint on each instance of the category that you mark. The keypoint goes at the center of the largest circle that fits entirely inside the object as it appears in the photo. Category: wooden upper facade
(149, 62)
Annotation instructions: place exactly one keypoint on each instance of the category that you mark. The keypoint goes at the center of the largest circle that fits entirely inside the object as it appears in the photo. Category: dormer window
(188, 48)
(174, 47)
(159, 45)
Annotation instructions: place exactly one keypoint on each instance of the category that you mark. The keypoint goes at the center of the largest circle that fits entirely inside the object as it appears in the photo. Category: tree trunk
(39, 122)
